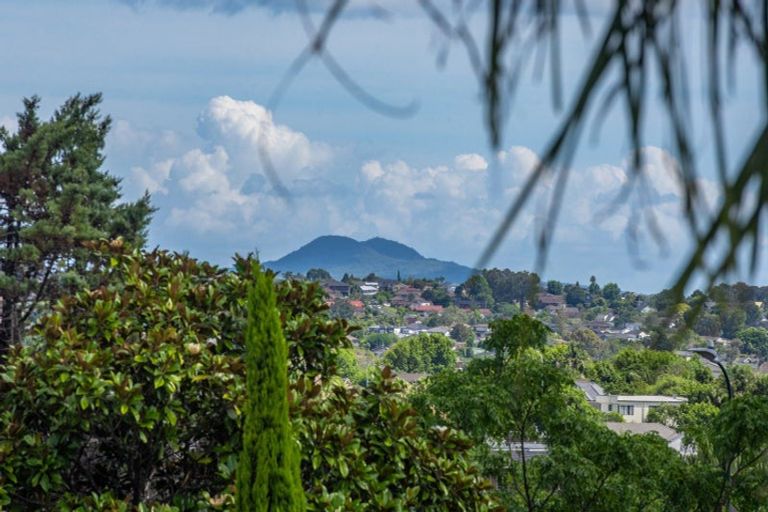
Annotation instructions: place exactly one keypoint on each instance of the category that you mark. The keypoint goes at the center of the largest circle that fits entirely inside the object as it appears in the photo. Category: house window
(627, 410)
(610, 407)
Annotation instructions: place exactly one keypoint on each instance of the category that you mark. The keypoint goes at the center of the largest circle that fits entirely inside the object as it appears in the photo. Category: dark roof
(591, 389)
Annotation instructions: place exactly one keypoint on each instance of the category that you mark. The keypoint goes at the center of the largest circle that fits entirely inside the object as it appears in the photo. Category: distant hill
(340, 254)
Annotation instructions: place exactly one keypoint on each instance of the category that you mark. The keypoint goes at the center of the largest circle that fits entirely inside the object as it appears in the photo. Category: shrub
(131, 396)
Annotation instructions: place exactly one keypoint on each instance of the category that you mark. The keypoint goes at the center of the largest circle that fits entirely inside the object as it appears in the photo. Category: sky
(187, 84)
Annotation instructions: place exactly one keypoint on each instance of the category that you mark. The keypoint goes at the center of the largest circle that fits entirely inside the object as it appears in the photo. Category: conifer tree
(268, 478)
(53, 197)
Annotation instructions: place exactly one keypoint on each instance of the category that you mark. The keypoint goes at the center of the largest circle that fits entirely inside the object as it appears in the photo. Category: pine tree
(268, 478)
(53, 197)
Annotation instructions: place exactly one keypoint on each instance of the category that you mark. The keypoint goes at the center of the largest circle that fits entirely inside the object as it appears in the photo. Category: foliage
(53, 197)
(437, 295)
(707, 324)
(130, 389)
(587, 340)
(429, 353)
(754, 341)
(477, 290)
(611, 293)
(575, 295)
(133, 393)
(509, 338)
(365, 450)
(732, 320)
(347, 366)
(318, 274)
(554, 287)
(378, 340)
(268, 470)
(509, 286)
(463, 333)
(633, 371)
(524, 397)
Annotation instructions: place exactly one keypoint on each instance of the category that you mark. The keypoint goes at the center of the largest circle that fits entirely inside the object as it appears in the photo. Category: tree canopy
(428, 353)
(53, 197)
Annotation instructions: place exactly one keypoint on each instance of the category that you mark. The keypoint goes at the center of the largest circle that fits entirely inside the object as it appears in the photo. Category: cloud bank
(218, 191)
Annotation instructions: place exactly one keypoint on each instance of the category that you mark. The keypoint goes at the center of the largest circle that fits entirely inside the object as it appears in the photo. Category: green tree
(509, 338)
(477, 289)
(554, 287)
(318, 274)
(732, 320)
(707, 324)
(754, 341)
(611, 293)
(268, 477)
(437, 295)
(133, 392)
(429, 353)
(509, 286)
(594, 288)
(378, 340)
(587, 340)
(53, 197)
(463, 334)
(507, 403)
(575, 295)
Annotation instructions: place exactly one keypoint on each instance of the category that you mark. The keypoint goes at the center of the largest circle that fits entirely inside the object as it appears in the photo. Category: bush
(131, 396)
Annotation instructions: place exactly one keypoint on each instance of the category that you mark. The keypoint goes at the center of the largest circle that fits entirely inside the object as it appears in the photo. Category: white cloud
(470, 162)
(448, 210)
(221, 186)
(245, 127)
(154, 178)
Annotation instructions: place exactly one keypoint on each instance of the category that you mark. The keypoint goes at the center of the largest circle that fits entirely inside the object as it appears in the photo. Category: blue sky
(186, 87)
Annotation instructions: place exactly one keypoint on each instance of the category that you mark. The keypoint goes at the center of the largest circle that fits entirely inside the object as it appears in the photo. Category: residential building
(633, 408)
(548, 299)
(336, 288)
(673, 438)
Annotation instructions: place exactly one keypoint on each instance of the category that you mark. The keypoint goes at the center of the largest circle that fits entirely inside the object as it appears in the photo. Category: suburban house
(336, 288)
(673, 438)
(405, 296)
(633, 408)
(548, 299)
(369, 288)
(426, 307)
(531, 449)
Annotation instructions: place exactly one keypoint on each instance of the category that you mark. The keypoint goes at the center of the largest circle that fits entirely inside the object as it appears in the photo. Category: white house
(673, 438)
(634, 408)
(369, 288)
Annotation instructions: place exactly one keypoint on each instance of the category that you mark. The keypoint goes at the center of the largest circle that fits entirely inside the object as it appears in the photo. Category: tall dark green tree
(268, 476)
(53, 197)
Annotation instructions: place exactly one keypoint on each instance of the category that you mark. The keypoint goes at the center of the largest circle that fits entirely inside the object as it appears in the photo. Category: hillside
(339, 255)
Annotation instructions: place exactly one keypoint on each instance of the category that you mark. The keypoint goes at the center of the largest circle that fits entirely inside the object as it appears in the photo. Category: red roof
(357, 304)
(427, 308)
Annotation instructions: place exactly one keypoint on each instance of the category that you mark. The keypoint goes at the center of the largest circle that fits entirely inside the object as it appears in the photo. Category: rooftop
(651, 398)
(663, 431)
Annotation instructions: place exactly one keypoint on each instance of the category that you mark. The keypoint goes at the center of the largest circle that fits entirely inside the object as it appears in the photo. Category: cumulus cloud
(242, 127)
(154, 178)
(220, 186)
(218, 189)
(654, 197)
(470, 162)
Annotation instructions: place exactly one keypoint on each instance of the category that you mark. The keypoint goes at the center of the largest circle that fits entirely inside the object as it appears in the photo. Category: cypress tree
(268, 478)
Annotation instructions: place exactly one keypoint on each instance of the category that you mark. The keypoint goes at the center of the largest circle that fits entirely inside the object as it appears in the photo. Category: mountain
(341, 255)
